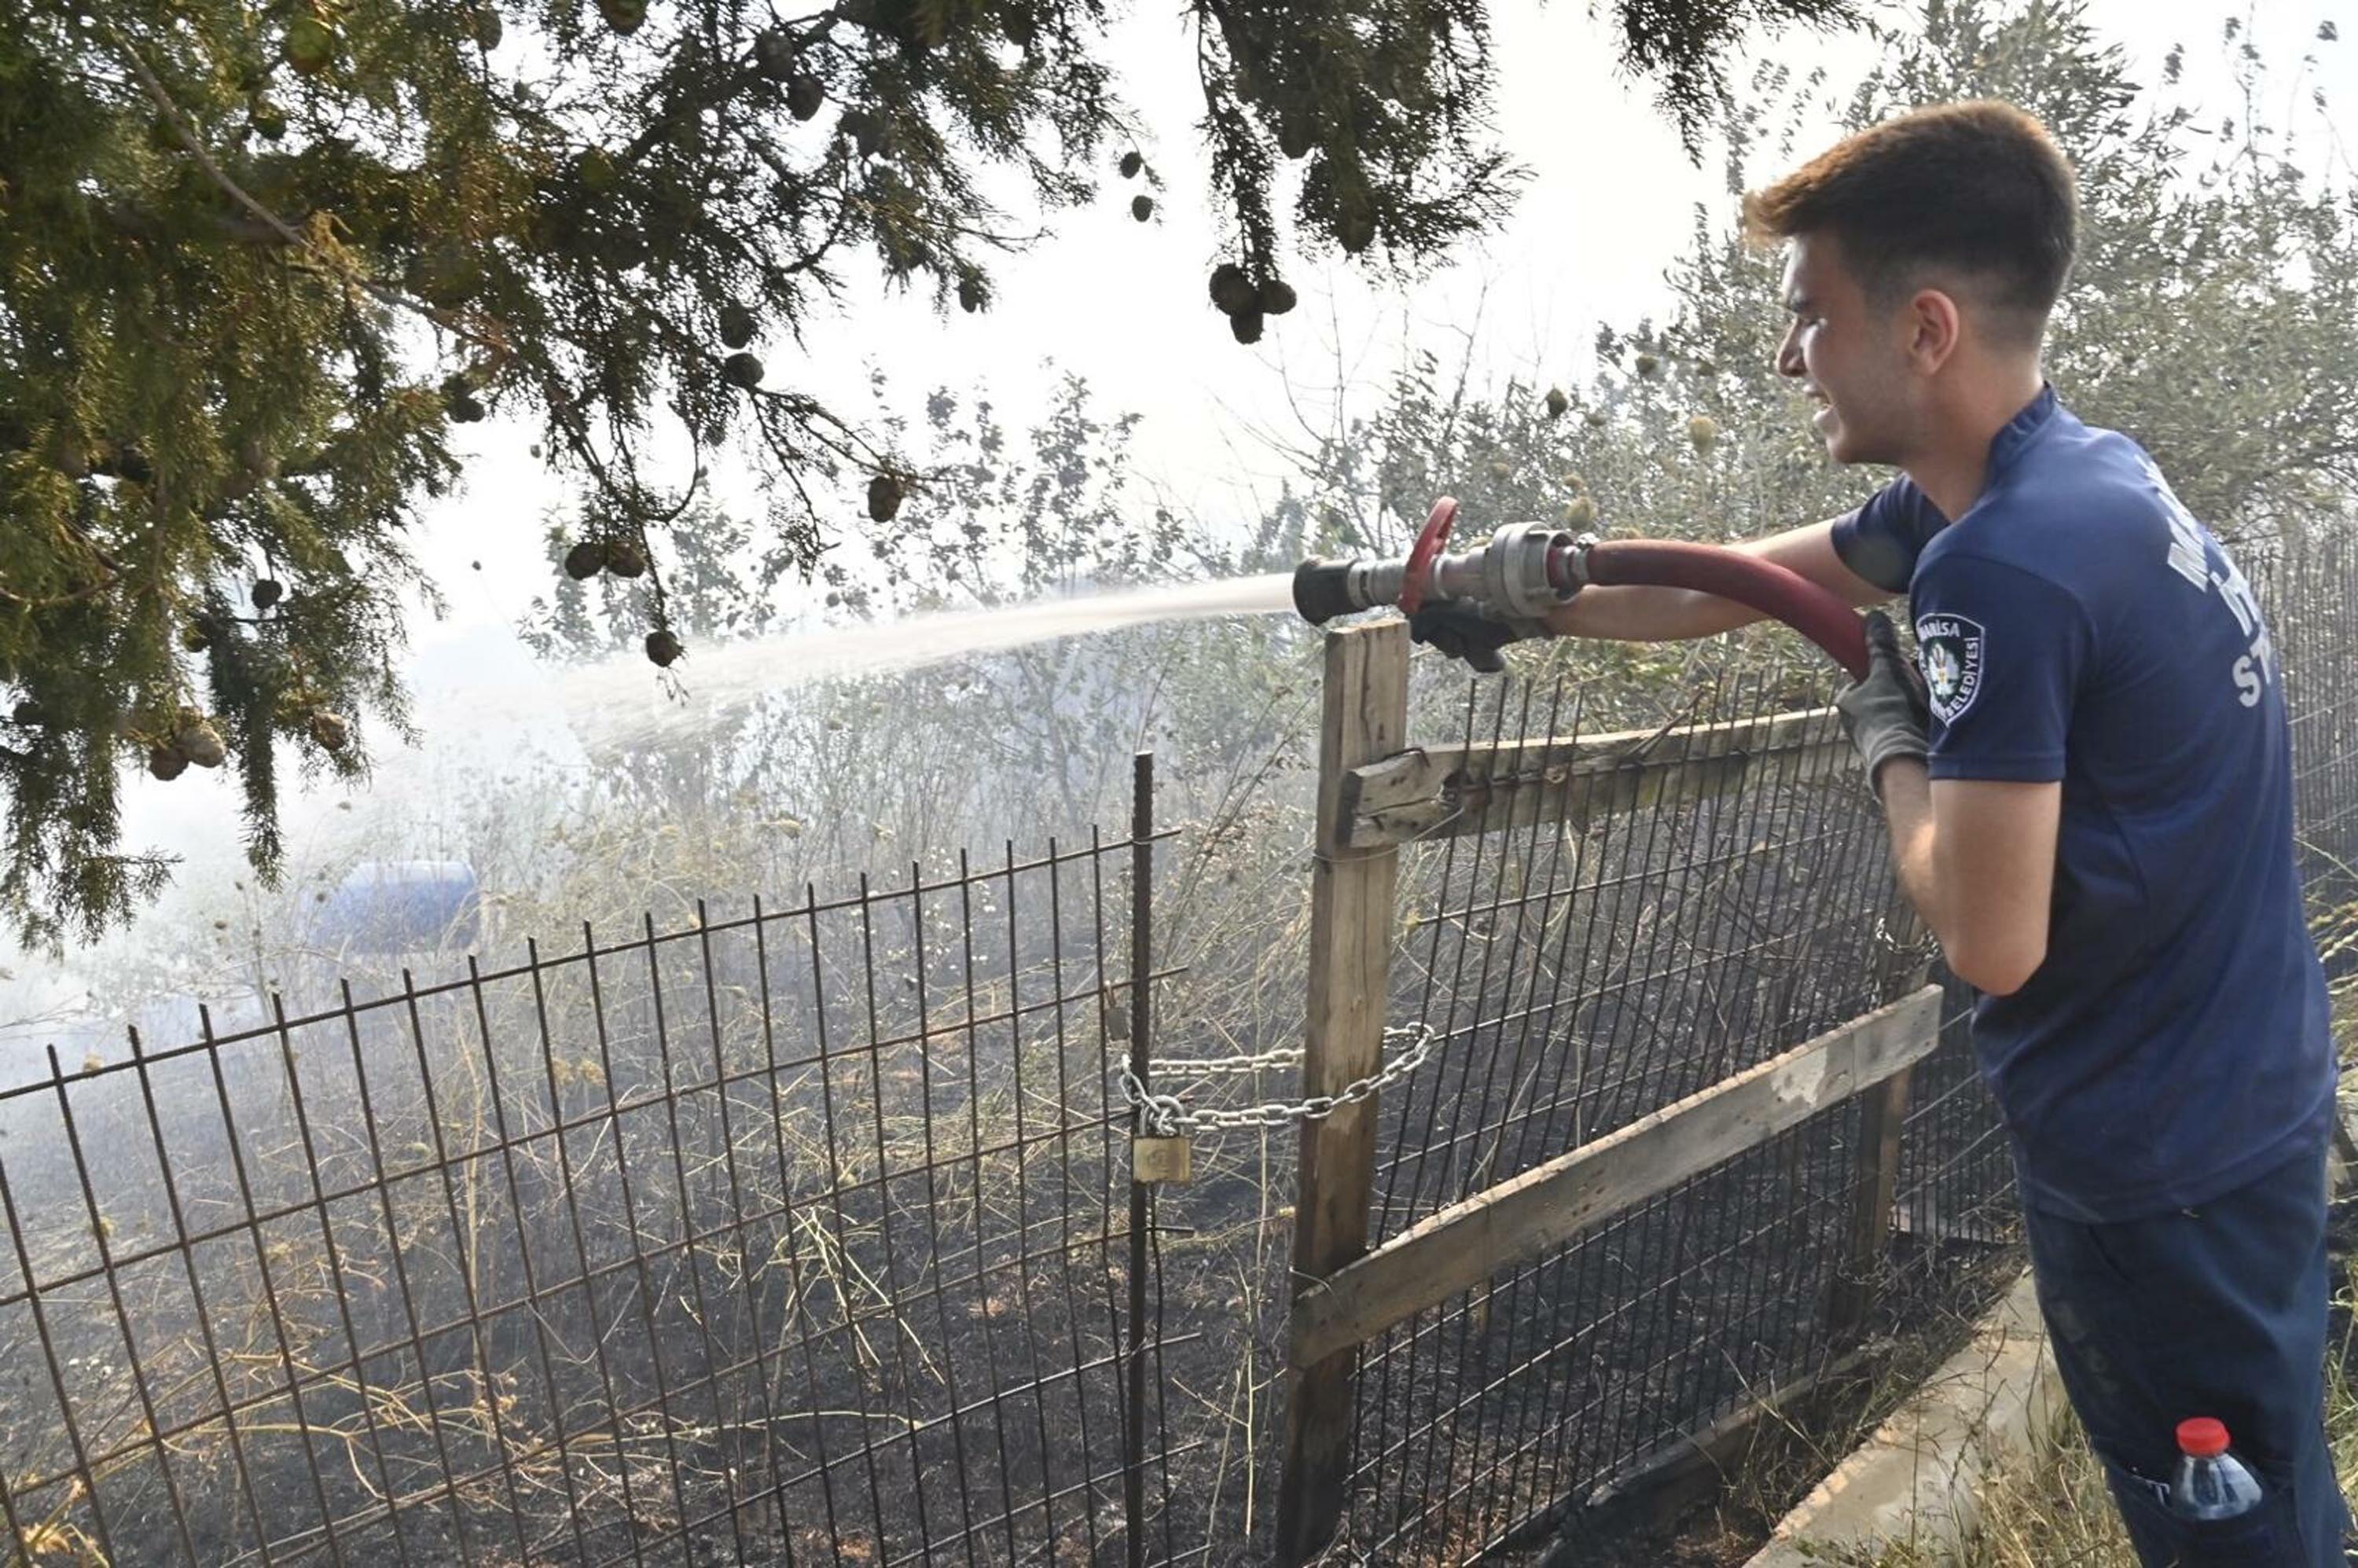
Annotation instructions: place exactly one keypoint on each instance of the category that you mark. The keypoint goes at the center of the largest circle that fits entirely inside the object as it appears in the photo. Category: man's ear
(1936, 328)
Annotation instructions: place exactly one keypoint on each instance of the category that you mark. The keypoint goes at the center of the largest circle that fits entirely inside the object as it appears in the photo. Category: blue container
(393, 907)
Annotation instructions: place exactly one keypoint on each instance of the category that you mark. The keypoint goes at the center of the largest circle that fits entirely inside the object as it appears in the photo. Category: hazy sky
(1608, 207)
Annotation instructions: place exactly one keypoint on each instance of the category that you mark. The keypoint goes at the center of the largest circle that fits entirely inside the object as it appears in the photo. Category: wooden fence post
(1351, 919)
(1874, 1167)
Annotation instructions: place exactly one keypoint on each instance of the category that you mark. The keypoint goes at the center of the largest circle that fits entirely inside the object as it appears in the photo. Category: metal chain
(1206, 1066)
(1167, 1116)
(1924, 947)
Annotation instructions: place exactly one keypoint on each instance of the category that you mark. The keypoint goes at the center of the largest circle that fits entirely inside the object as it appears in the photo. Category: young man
(2092, 809)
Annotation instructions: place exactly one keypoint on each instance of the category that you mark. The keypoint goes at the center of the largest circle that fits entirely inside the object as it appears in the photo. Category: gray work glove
(1462, 632)
(1886, 714)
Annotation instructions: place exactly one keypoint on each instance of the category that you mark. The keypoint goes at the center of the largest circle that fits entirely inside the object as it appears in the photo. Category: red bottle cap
(2201, 1436)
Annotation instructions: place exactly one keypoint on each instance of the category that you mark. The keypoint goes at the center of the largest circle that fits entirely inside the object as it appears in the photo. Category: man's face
(1848, 354)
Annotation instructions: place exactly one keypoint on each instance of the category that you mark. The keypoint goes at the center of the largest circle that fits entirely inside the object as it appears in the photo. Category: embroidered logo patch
(1949, 647)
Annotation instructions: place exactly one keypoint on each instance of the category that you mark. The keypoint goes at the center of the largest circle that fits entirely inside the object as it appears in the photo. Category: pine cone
(663, 648)
(1276, 297)
(268, 592)
(1131, 164)
(1232, 291)
(806, 96)
(1355, 228)
(596, 170)
(586, 559)
(884, 494)
(1245, 326)
(165, 764)
(866, 130)
(1557, 402)
(737, 325)
(310, 45)
(329, 730)
(970, 295)
(1141, 207)
(198, 741)
(742, 370)
(625, 559)
(774, 54)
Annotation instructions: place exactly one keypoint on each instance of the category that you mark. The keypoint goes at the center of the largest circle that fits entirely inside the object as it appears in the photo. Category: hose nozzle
(1523, 571)
(1527, 569)
(1322, 591)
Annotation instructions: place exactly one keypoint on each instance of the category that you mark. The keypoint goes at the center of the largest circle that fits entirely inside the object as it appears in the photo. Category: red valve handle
(1418, 574)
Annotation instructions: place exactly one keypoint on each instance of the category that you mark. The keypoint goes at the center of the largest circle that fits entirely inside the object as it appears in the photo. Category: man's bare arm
(1977, 859)
(1674, 614)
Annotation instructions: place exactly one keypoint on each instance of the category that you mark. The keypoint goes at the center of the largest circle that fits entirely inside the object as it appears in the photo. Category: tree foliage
(257, 255)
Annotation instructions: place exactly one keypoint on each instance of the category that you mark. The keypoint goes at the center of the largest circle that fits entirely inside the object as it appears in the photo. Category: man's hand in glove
(1464, 633)
(1886, 714)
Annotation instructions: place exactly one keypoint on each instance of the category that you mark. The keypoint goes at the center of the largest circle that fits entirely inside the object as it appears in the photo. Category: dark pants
(2219, 1311)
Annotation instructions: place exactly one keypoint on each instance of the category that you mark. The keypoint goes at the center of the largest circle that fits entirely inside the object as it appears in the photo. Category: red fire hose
(1764, 586)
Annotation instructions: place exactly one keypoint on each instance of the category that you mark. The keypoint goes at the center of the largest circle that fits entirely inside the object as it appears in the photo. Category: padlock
(1155, 1159)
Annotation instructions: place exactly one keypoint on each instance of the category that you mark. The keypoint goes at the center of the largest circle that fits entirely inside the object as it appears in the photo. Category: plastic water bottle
(2211, 1483)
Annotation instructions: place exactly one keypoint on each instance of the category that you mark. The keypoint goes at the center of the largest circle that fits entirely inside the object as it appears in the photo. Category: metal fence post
(1365, 717)
(1142, 1203)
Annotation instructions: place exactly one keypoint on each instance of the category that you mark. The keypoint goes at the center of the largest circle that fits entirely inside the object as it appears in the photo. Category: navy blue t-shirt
(2078, 624)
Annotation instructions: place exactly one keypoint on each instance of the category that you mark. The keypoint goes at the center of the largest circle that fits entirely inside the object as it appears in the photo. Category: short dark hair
(1979, 188)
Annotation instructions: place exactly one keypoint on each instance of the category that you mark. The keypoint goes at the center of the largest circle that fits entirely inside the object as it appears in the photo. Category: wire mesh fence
(800, 1235)
(2308, 585)
(1584, 968)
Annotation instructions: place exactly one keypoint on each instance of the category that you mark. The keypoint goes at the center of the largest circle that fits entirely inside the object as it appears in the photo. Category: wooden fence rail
(1517, 1220)
(1439, 792)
